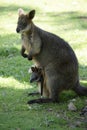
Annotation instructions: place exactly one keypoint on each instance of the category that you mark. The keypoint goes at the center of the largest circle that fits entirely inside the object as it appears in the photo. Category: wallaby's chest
(25, 42)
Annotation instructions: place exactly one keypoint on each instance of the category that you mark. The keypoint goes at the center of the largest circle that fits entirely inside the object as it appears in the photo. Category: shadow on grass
(14, 111)
(12, 64)
(10, 39)
(69, 20)
(15, 66)
(13, 108)
(11, 98)
(9, 45)
(9, 52)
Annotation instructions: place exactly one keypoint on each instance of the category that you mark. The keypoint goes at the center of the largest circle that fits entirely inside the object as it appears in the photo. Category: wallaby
(54, 55)
(37, 76)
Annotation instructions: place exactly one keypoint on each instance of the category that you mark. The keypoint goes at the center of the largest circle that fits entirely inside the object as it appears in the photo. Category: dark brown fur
(57, 59)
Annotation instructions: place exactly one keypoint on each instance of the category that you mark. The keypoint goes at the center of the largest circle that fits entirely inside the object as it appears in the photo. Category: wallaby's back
(59, 60)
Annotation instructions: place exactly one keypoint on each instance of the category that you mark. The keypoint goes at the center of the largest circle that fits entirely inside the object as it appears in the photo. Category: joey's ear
(31, 14)
(36, 69)
(20, 12)
(33, 69)
(40, 70)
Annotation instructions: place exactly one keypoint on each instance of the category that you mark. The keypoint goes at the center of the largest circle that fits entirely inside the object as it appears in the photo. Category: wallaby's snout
(17, 30)
(34, 78)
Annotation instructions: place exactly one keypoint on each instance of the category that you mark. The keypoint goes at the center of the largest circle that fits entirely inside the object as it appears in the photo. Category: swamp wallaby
(51, 53)
(37, 76)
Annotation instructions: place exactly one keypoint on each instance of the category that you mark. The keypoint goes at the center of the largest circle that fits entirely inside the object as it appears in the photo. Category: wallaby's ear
(36, 69)
(33, 69)
(39, 70)
(31, 14)
(20, 12)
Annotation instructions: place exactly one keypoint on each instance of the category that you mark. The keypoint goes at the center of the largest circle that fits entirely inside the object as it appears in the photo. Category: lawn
(66, 18)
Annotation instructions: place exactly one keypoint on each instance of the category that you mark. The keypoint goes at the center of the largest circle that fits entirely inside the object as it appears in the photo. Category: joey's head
(36, 74)
(24, 21)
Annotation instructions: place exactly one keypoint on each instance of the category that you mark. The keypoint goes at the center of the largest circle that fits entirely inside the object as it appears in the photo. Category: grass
(66, 19)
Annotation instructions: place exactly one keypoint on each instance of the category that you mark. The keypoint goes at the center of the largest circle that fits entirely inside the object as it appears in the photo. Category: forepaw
(29, 57)
(25, 55)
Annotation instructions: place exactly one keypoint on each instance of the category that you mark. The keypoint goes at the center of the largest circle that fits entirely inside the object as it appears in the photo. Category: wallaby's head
(36, 74)
(24, 21)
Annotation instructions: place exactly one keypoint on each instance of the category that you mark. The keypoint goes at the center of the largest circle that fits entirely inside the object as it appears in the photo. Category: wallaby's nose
(17, 30)
(31, 80)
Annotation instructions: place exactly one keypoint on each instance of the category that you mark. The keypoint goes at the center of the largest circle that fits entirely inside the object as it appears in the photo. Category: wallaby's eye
(24, 24)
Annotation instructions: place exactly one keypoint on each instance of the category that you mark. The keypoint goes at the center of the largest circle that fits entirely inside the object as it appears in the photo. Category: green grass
(67, 19)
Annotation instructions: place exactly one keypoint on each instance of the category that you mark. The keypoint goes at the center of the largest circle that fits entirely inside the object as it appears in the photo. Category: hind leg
(52, 87)
(44, 99)
(53, 98)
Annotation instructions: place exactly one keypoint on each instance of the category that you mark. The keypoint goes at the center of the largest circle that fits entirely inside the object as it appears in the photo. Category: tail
(80, 90)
